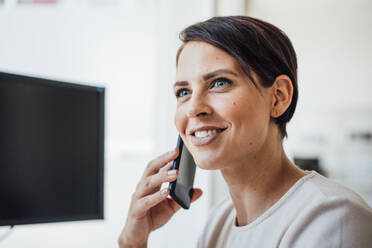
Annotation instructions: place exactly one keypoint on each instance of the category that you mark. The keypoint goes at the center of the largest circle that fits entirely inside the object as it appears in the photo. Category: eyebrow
(208, 76)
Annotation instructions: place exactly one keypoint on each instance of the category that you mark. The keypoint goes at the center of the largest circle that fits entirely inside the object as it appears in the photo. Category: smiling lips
(205, 136)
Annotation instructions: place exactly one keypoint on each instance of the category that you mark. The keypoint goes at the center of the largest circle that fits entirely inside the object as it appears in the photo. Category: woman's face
(222, 117)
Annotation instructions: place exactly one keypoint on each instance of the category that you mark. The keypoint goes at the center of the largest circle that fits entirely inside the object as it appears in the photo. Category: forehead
(198, 58)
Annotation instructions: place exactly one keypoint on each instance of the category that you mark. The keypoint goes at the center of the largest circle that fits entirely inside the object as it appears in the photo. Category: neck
(258, 182)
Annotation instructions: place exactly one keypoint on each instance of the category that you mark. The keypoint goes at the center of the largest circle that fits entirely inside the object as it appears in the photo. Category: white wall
(111, 47)
(333, 44)
(129, 50)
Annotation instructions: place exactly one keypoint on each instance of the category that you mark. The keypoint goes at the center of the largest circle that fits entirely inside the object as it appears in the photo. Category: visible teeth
(202, 134)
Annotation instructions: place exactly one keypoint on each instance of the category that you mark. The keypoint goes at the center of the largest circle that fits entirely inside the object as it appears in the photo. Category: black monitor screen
(51, 150)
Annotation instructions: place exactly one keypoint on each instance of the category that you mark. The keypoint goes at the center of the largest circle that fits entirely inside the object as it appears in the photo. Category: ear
(282, 91)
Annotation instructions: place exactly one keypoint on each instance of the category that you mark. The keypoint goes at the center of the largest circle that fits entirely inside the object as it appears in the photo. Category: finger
(166, 167)
(196, 195)
(153, 183)
(149, 201)
(145, 183)
(155, 164)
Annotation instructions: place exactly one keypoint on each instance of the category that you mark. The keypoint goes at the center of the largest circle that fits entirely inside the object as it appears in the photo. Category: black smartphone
(181, 189)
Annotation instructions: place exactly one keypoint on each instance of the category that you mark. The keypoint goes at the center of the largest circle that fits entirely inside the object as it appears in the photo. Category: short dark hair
(256, 45)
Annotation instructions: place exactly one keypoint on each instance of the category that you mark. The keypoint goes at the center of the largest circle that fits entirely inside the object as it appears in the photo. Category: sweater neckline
(274, 207)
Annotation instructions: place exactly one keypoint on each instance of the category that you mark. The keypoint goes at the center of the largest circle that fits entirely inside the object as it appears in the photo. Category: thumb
(196, 194)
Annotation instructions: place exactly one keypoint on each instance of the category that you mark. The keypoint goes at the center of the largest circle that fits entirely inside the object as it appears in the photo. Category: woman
(236, 90)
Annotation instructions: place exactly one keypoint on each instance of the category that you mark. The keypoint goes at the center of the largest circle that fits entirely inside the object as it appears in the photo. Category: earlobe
(274, 113)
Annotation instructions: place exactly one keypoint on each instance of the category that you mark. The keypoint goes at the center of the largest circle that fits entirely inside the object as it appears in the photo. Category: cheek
(180, 120)
(237, 110)
(249, 119)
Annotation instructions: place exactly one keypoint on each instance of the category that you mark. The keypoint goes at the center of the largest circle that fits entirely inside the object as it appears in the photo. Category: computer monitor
(51, 150)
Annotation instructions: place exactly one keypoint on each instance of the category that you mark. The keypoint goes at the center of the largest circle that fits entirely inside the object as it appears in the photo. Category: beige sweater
(315, 212)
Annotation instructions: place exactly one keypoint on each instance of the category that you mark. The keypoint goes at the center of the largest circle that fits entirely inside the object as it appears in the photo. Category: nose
(198, 106)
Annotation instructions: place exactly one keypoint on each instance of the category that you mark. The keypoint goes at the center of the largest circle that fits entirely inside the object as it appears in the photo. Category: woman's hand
(150, 208)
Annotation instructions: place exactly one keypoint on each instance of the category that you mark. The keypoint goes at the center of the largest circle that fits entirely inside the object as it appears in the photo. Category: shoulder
(331, 215)
(219, 216)
(329, 188)
(315, 190)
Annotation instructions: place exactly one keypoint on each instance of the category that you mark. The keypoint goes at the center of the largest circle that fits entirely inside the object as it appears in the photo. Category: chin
(206, 162)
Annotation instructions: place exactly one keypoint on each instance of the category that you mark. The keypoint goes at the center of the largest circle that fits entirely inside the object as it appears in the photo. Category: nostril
(201, 114)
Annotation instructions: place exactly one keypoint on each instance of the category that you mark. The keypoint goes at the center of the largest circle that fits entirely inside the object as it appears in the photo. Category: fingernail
(169, 165)
(164, 191)
(172, 172)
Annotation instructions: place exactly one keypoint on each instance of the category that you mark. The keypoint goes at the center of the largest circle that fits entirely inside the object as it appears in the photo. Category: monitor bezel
(100, 146)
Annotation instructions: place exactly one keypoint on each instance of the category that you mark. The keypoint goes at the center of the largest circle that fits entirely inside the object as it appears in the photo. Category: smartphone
(181, 189)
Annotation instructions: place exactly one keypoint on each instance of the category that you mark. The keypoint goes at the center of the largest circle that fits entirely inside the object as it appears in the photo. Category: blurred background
(129, 47)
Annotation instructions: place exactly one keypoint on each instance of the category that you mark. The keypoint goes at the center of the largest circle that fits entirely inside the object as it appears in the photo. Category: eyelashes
(181, 92)
(217, 83)
(219, 80)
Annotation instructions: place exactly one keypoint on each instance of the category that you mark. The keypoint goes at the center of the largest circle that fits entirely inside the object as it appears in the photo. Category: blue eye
(182, 92)
(221, 82)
